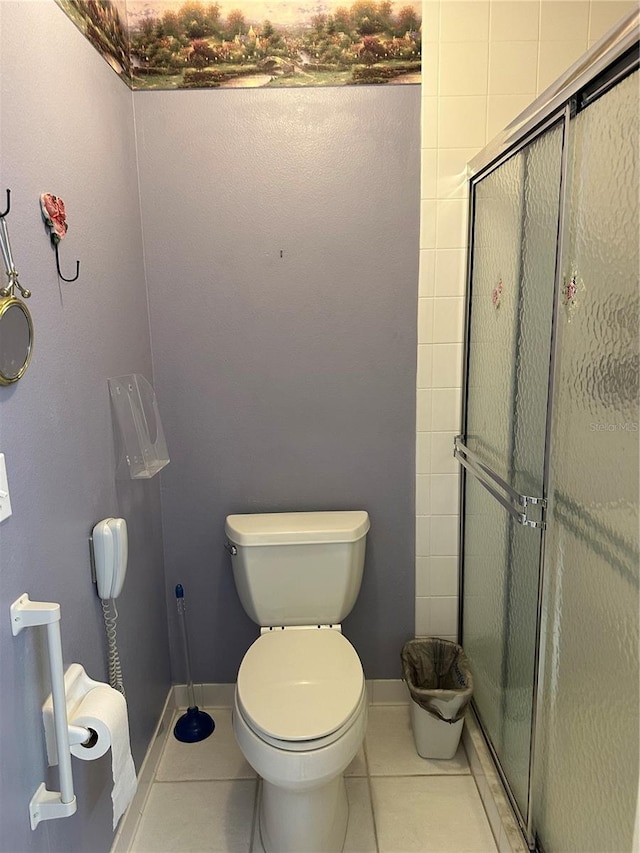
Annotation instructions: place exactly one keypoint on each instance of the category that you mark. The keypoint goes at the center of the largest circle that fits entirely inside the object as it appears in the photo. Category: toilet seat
(300, 689)
(305, 745)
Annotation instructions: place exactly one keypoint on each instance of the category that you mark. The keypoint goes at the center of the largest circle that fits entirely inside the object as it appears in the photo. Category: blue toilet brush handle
(185, 642)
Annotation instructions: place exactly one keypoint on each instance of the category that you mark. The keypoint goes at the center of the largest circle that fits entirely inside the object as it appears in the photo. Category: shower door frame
(559, 118)
(611, 59)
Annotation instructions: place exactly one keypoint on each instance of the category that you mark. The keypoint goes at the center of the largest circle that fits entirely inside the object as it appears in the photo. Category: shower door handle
(515, 503)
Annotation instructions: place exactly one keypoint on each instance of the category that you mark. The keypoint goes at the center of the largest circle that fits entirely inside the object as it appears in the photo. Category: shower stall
(549, 453)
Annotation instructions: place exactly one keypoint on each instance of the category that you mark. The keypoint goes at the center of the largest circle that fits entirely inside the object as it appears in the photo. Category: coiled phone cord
(110, 619)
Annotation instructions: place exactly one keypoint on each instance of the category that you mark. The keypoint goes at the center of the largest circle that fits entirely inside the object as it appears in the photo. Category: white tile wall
(484, 61)
(447, 320)
(462, 68)
(451, 173)
(501, 109)
(563, 20)
(464, 20)
(427, 272)
(450, 266)
(513, 67)
(461, 120)
(425, 320)
(603, 14)
(555, 57)
(446, 366)
(429, 173)
(443, 493)
(512, 21)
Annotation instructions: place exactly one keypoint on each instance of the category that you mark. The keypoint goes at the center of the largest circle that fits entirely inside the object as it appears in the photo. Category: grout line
(398, 775)
(199, 781)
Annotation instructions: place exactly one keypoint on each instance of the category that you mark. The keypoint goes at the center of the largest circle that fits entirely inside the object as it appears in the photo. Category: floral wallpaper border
(167, 44)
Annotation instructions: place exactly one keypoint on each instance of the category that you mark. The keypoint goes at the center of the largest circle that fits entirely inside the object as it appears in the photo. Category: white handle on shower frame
(48, 805)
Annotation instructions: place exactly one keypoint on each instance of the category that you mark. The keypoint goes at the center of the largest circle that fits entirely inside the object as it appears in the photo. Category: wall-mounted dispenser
(142, 449)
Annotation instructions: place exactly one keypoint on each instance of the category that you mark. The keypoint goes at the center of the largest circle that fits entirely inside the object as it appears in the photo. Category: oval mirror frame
(6, 305)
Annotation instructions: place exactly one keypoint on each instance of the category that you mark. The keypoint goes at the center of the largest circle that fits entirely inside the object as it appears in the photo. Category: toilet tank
(298, 568)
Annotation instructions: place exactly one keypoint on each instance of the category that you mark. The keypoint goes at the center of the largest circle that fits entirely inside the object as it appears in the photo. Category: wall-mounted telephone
(110, 551)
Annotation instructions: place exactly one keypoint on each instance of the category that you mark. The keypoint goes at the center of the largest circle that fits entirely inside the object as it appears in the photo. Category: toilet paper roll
(104, 710)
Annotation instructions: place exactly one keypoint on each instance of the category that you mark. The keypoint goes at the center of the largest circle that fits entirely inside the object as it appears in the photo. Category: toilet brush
(195, 725)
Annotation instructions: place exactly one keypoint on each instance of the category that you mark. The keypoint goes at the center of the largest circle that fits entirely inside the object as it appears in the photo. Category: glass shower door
(587, 746)
(502, 448)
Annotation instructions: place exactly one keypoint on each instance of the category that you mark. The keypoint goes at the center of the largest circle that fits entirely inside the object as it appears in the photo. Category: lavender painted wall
(281, 240)
(67, 128)
(282, 250)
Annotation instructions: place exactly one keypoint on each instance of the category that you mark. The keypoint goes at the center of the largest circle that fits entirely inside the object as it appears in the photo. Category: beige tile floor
(204, 796)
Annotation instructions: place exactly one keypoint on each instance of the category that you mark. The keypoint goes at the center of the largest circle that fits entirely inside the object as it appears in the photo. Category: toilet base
(311, 821)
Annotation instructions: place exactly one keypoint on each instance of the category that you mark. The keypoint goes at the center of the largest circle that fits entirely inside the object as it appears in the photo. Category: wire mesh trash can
(439, 679)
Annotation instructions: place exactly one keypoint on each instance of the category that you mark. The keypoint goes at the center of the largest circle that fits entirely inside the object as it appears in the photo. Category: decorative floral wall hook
(55, 216)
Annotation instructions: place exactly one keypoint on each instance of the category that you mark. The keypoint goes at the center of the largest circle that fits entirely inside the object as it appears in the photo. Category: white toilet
(300, 709)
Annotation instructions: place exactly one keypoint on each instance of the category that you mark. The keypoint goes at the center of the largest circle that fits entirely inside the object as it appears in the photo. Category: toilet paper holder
(76, 686)
(48, 805)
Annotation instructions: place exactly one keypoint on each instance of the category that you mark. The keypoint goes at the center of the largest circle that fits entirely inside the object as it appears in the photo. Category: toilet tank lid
(289, 528)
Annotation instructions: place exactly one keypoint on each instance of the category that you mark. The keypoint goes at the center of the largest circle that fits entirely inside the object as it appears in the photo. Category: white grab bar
(48, 805)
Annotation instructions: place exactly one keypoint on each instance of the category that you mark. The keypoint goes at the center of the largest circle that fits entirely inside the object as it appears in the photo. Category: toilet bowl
(300, 708)
(299, 717)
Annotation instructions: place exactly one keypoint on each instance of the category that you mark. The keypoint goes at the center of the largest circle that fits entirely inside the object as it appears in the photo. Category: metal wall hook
(55, 217)
(58, 268)
(7, 257)
(8, 205)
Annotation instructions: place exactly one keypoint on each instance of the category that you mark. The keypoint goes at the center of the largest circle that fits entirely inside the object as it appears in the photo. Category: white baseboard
(206, 695)
(387, 691)
(381, 691)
